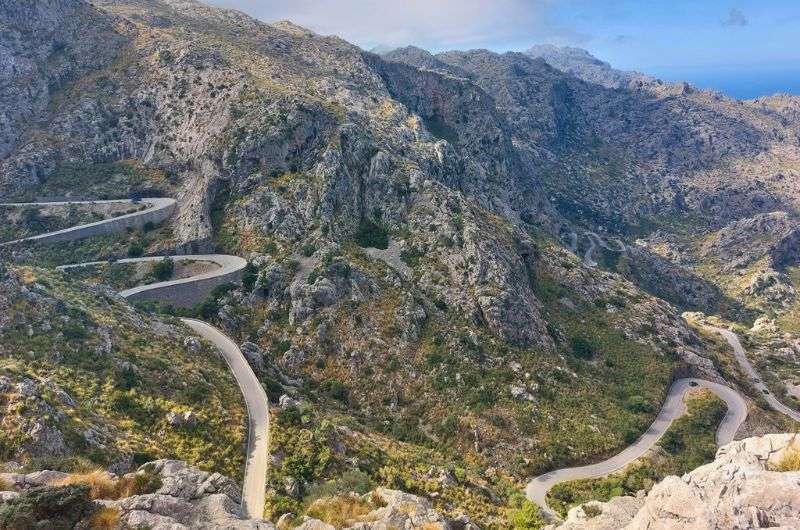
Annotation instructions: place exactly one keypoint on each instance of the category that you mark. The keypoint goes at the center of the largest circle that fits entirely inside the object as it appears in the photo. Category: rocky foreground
(752, 483)
(181, 497)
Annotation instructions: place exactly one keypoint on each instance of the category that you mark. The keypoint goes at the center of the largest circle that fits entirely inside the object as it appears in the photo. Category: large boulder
(187, 498)
(741, 488)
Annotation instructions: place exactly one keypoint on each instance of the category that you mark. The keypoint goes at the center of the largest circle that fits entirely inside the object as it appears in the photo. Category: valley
(348, 281)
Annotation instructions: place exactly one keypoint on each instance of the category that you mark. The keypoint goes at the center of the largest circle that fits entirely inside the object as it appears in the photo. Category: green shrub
(125, 378)
(74, 331)
(335, 389)
(638, 404)
(163, 270)
(527, 516)
(308, 249)
(372, 235)
(582, 347)
(353, 480)
(289, 417)
(59, 508)
(448, 428)
(249, 277)
(270, 248)
(592, 510)
(135, 249)
(412, 256)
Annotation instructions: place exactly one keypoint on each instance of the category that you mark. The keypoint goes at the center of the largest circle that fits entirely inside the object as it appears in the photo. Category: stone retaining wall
(181, 293)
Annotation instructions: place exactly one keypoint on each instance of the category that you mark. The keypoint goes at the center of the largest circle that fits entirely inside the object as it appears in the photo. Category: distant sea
(744, 84)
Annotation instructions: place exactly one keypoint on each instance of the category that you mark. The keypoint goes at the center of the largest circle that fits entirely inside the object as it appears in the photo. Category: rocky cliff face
(750, 484)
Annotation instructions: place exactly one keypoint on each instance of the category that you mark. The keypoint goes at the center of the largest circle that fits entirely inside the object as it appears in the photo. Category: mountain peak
(583, 65)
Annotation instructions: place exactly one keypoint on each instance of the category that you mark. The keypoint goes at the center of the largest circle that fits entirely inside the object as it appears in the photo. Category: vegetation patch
(122, 372)
(789, 462)
(689, 443)
(113, 180)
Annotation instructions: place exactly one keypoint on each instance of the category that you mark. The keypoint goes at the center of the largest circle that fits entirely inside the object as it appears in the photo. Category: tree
(163, 270)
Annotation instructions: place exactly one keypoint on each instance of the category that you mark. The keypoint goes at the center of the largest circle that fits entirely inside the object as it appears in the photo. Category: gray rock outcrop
(187, 498)
(740, 489)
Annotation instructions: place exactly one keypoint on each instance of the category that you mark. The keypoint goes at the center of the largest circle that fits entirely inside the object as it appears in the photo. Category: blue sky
(745, 48)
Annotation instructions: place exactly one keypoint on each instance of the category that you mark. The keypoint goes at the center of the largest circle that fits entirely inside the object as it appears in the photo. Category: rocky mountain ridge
(583, 65)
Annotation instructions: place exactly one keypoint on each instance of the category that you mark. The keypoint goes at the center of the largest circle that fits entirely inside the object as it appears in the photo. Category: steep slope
(88, 381)
(650, 159)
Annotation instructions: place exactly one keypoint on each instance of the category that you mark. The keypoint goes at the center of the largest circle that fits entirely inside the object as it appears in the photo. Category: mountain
(583, 65)
(465, 269)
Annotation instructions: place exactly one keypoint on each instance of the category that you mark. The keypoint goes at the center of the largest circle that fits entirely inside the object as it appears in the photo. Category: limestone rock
(187, 498)
(738, 490)
(182, 419)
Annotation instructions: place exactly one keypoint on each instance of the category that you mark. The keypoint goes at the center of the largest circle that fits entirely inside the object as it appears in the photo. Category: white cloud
(433, 24)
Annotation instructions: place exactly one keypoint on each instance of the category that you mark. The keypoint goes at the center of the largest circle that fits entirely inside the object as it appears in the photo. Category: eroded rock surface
(738, 490)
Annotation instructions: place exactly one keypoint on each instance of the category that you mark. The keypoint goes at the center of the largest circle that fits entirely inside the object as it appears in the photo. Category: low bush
(638, 404)
(249, 277)
(335, 389)
(525, 516)
(54, 508)
(163, 270)
(582, 347)
(135, 250)
(352, 481)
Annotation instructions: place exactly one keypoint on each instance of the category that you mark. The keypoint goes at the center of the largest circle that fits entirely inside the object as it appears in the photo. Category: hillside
(86, 381)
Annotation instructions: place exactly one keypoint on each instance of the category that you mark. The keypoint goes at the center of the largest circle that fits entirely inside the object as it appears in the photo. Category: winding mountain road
(255, 472)
(158, 210)
(184, 292)
(597, 241)
(187, 292)
(752, 374)
(673, 408)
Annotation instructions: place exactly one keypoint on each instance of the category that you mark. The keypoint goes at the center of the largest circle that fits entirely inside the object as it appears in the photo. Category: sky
(744, 48)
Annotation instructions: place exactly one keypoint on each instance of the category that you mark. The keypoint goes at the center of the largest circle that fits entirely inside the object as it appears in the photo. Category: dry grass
(789, 462)
(5, 485)
(105, 518)
(101, 486)
(99, 483)
(341, 511)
